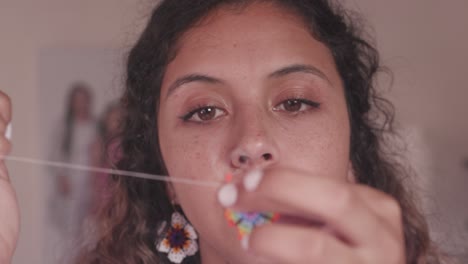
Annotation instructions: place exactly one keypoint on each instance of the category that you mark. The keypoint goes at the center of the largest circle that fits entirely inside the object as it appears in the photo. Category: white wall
(423, 41)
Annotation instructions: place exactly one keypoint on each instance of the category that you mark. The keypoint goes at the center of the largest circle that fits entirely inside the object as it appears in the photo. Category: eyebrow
(192, 78)
(299, 68)
(295, 68)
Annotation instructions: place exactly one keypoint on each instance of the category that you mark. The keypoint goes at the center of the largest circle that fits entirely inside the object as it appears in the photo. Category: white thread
(8, 131)
(140, 175)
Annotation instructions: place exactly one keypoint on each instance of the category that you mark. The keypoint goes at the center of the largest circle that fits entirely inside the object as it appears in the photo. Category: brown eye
(292, 105)
(207, 113)
(296, 105)
(204, 114)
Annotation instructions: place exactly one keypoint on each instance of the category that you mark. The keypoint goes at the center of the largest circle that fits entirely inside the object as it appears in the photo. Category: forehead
(248, 26)
(250, 41)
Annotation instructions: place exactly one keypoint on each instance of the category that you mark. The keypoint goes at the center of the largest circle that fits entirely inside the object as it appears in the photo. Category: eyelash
(199, 108)
(307, 102)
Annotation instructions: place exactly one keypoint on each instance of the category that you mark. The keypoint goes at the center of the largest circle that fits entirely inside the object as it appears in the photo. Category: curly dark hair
(127, 227)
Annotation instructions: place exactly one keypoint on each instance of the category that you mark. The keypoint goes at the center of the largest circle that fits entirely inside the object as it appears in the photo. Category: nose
(255, 146)
(259, 156)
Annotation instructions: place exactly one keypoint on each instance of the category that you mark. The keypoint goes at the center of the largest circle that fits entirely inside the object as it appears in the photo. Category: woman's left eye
(296, 105)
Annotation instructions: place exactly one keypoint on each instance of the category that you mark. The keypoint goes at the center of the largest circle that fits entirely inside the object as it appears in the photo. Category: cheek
(320, 147)
(192, 155)
(183, 157)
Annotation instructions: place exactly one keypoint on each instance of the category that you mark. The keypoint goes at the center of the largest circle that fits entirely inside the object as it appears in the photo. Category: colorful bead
(246, 222)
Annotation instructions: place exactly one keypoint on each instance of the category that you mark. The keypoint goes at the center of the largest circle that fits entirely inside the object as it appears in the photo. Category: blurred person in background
(70, 195)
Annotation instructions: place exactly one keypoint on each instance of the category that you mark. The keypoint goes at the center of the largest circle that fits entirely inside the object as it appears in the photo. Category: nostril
(267, 156)
(246, 160)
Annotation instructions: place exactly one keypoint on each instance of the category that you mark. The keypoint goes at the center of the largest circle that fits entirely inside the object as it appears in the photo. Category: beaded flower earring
(180, 240)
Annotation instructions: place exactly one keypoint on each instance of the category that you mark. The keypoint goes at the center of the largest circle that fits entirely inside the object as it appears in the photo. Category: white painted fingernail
(227, 195)
(245, 242)
(8, 132)
(252, 179)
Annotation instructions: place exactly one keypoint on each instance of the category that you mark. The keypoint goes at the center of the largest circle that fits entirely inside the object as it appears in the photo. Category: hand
(9, 212)
(323, 220)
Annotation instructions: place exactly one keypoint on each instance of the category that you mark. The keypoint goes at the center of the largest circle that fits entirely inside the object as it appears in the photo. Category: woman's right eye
(204, 114)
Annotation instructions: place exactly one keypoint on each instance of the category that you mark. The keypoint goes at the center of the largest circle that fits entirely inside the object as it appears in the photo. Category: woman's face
(247, 90)
(81, 103)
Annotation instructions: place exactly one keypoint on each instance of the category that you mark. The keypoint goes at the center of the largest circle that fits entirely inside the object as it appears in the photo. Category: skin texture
(304, 153)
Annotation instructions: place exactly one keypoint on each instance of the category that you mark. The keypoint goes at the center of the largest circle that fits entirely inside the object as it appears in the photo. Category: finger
(5, 147)
(384, 206)
(4, 172)
(5, 107)
(315, 198)
(293, 244)
(3, 126)
(9, 228)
